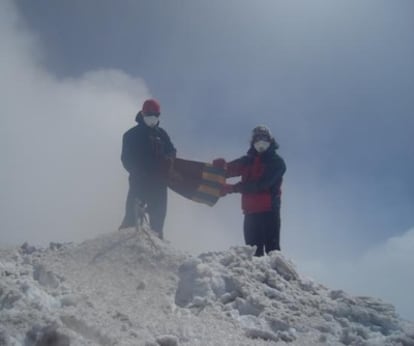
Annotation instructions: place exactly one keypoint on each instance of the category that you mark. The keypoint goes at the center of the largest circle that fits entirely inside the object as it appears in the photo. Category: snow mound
(271, 301)
(128, 288)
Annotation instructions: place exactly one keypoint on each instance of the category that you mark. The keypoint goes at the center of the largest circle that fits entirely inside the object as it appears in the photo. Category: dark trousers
(263, 231)
(155, 198)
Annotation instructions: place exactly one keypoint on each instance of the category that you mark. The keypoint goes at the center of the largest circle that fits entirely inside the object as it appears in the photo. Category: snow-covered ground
(123, 289)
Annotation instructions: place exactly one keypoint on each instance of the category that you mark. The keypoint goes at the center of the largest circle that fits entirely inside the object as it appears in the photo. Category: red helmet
(151, 106)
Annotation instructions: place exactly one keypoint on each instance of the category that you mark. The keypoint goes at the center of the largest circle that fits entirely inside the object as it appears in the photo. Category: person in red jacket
(261, 171)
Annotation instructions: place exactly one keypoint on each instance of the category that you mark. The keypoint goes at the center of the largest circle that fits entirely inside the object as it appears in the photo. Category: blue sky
(334, 80)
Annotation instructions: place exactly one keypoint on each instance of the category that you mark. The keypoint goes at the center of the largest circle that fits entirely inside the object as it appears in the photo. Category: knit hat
(151, 107)
(261, 132)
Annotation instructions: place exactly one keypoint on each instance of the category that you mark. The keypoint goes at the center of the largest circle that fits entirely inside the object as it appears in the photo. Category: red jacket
(261, 179)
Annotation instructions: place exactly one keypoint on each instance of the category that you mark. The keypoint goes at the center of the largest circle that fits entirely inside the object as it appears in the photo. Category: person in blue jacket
(147, 154)
(261, 171)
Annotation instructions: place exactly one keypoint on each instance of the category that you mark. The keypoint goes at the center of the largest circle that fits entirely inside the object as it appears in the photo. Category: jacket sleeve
(169, 153)
(234, 168)
(274, 171)
(170, 150)
(131, 157)
(126, 155)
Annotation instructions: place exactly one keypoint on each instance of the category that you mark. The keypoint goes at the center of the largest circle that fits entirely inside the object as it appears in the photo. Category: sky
(333, 80)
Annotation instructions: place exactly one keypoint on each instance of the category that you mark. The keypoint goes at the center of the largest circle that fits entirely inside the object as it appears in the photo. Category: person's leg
(157, 210)
(253, 232)
(129, 218)
(248, 226)
(272, 231)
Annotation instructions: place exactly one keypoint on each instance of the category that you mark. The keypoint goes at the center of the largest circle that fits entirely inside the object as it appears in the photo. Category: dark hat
(261, 132)
(151, 106)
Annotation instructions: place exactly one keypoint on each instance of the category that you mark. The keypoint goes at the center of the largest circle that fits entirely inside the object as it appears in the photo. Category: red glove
(226, 189)
(219, 163)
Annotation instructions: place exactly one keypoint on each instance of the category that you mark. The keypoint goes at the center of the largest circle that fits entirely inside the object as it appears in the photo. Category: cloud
(60, 142)
(388, 272)
(384, 271)
(197, 228)
(61, 176)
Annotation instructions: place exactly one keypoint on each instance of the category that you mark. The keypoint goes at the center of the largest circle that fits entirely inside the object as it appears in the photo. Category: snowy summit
(124, 288)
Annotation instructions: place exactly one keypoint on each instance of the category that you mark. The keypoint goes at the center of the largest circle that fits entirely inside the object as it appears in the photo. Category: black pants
(263, 231)
(154, 194)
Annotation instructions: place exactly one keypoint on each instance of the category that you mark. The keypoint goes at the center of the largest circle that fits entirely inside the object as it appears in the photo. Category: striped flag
(198, 181)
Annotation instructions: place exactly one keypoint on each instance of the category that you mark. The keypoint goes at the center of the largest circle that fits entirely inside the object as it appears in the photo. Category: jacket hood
(138, 118)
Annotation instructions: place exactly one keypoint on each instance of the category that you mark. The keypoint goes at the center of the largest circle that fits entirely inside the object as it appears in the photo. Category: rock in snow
(122, 289)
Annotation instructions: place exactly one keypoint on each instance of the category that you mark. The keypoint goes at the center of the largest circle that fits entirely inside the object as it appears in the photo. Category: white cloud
(60, 142)
(198, 228)
(384, 271)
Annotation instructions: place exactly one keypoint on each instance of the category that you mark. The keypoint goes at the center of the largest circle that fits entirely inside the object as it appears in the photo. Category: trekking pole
(141, 219)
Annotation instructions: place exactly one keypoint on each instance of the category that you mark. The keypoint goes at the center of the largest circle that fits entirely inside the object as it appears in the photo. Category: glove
(226, 189)
(169, 162)
(166, 165)
(237, 187)
(219, 163)
(174, 176)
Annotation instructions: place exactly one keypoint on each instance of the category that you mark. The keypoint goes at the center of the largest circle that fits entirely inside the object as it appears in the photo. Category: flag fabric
(198, 181)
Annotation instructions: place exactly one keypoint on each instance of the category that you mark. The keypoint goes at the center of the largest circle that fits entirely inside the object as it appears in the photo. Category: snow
(123, 288)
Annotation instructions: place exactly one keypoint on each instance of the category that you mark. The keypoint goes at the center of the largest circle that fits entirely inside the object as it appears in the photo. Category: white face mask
(151, 120)
(261, 146)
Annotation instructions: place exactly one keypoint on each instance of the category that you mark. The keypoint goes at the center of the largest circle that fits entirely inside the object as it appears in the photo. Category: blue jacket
(145, 153)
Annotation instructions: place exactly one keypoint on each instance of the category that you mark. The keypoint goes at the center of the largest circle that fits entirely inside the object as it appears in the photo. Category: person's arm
(126, 155)
(234, 168)
(170, 153)
(273, 172)
(169, 149)
(132, 157)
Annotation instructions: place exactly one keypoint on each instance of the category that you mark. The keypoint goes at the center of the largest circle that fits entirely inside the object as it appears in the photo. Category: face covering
(261, 146)
(150, 120)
